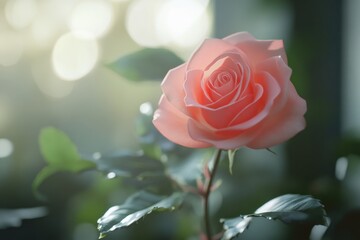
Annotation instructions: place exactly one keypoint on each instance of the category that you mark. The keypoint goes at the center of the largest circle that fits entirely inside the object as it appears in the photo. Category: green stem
(206, 195)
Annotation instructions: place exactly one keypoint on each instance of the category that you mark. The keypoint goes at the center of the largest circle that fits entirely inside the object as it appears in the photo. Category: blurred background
(53, 57)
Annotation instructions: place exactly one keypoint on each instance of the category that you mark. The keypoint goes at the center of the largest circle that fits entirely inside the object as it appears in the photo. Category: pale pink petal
(283, 125)
(221, 117)
(220, 140)
(173, 87)
(260, 50)
(194, 93)
(209, 50)
(230, 137)
(173, 125)
(255, 112)
(277, 83)
(277, 68)
(208, 103)
(239, 37)
(248, 111)
(200, 92)
(222, 79)
(281, 72)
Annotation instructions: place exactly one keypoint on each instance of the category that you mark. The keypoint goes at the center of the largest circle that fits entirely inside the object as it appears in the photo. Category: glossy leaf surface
(289, 208)
(146, 64)
(135, 208)
(61, 155)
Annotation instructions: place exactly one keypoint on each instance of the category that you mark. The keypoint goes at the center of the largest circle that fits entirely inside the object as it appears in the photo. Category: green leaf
(231, 155)
(137, 169)
(40, 178)
(136, 207)
(56, 147)
(129, 164)
(289, 208)
(61, 155)
(146, 64)
(188, 169)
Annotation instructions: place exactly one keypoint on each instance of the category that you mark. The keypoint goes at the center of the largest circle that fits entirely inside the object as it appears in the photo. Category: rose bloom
(233, 92)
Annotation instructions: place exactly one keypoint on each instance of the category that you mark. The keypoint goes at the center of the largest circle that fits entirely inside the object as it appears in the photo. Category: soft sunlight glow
(6, 148)
(92, 16)
(50, 21)
(111, 175)
(146, 108)
(44, 30)
(341, 168)
(20, 13)
(74, 57)
(120, 1)
(165, 22)
(48, 82)
(11, 48)
(141, 22)
(184, 22)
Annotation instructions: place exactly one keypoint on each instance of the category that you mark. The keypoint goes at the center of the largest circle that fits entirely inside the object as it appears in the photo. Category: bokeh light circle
(20, 13)
(6, 148)
(92, 16)
(183, 22)
(141, 22)
(73, 56)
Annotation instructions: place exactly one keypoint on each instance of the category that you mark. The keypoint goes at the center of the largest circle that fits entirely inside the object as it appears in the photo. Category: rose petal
(242, 71)
(172, 87)
(257, 50)
(222, 140)
(220, 118)
(240, 66)
(194, 94)
(209, 50)
(241, 134)
(173, 125)
(283, 125)
(255, 112)
(239, 37)
(248, 101)
(281, 72)
(215, 87)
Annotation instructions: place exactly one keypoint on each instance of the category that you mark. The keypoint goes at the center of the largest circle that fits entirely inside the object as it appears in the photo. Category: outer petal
(172, 86)
(281, 72)
(173, 125)
(257, 50)
(220, 140)
(194, 94)
(253, 113)
(239, 37)
(209, 50)
(283, 125)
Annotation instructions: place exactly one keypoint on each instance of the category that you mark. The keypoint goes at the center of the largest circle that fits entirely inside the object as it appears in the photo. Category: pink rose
(233, 92)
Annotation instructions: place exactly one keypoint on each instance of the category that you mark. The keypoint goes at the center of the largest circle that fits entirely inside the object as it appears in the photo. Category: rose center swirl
(222, 79)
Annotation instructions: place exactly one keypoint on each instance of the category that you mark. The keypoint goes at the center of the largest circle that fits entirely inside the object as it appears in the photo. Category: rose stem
(206, 195)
